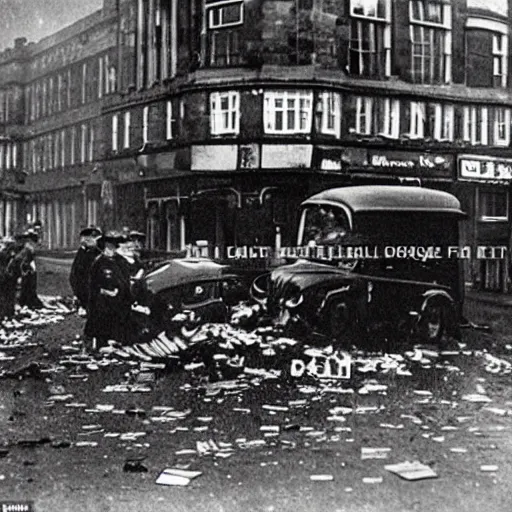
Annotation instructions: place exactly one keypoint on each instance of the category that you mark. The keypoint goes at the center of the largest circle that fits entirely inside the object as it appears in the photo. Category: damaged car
(198, 286)
(371, 260)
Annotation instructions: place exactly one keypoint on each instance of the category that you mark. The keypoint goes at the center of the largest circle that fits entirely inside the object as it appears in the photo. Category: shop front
(484, 190)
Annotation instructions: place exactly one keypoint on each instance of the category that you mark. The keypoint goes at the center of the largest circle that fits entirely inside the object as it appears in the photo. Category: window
(83, 143)
(115, 126)
(126, 136)
(493, 204)
(431, 42)
(486, 52)
(84, 82)
(500, 59)
(145, 124)
(90, 144)
(329, 108)
(370, 38)
(441, 122)
(416, 120)
(376, 116)
(225, 48)
(501, 126)
(224, 113)
(476, 125)
(363, 117)
(169, 121)
(390, 118)
(288, 111)
(63, 147)
(72, 147)
(225, 14)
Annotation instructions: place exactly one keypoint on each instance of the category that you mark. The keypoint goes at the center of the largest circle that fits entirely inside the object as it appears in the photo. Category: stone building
(213, 119)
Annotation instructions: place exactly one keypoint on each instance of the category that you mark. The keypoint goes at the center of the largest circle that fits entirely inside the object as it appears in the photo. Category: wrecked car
(371, 260)
(196, 285)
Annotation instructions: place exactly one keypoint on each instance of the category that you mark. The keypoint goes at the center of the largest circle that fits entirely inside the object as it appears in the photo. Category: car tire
(343, 326)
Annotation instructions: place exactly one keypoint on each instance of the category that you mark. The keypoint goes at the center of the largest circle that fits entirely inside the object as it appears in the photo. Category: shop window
(501, 126)
(476, 125)
(224, 113)
(493, 205)
(288, 112)
(370, 38)
(329, 110)
(430, 33)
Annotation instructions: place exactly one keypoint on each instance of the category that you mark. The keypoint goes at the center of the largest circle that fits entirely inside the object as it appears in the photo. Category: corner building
(213, 119)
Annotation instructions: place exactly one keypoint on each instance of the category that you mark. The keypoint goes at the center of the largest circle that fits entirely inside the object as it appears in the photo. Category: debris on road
(321, 478)
(179, 477)
(374, 453)
(411, 470)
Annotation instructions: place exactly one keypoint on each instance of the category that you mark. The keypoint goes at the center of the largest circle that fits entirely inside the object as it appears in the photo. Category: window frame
(169, 120)
(446, 26)
(270, 110)
(476, 118)
(443, 112)
(126, 129)
(493, 218)
(387, 7)
(115, 132)
(220, 6)
(328, 99)
(497, 141)
(390, 119)
(145, 124)
(500, 58)
(217, 126)
(364, 111)
(417, 119)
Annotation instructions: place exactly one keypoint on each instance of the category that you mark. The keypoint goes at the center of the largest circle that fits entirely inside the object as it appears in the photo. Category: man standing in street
(84, 258)
(110, 297)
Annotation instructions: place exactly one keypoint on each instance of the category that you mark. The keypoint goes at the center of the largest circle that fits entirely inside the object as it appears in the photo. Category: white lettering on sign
(485, 169)
(334, 366)
(424, 161)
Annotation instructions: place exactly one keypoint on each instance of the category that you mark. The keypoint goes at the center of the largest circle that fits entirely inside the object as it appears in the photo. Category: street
(94, 433)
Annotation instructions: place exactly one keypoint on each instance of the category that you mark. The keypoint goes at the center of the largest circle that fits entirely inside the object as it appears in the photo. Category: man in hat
(26, 262)
(84, 258)
(139, 239)
(110, 298)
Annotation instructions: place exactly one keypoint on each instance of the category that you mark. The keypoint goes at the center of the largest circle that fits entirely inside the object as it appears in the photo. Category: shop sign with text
(484, 168)
(406, 162)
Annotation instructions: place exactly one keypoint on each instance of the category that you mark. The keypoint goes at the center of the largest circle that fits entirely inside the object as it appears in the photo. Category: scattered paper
(411, 470)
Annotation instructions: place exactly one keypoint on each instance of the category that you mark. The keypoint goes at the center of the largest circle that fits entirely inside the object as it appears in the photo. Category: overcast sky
(35, 19)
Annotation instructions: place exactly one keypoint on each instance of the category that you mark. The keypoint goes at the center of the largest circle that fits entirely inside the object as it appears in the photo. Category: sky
(35, 19)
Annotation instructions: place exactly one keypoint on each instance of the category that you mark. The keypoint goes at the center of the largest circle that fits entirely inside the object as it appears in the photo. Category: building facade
(211, 120)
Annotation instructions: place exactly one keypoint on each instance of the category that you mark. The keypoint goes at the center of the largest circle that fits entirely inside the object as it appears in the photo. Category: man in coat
(110, 298)
(8, 277)
(84, 258)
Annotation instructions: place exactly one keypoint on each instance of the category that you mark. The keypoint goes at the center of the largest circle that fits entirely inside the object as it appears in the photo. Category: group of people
(18, 273)
(104, 277)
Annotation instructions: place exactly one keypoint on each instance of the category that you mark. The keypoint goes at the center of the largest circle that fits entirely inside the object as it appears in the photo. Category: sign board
(408, 162)
(484, 168)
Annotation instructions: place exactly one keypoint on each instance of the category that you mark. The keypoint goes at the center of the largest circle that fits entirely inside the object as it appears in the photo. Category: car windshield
(324, 225)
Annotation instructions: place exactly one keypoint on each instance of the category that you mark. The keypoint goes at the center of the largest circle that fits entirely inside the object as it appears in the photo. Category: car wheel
(342, 326)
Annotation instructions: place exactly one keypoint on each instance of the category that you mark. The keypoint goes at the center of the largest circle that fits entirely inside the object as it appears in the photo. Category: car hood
(178, 272)
(293, 279)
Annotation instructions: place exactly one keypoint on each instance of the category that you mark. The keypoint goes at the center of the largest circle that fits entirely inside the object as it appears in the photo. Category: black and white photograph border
(255, 255)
